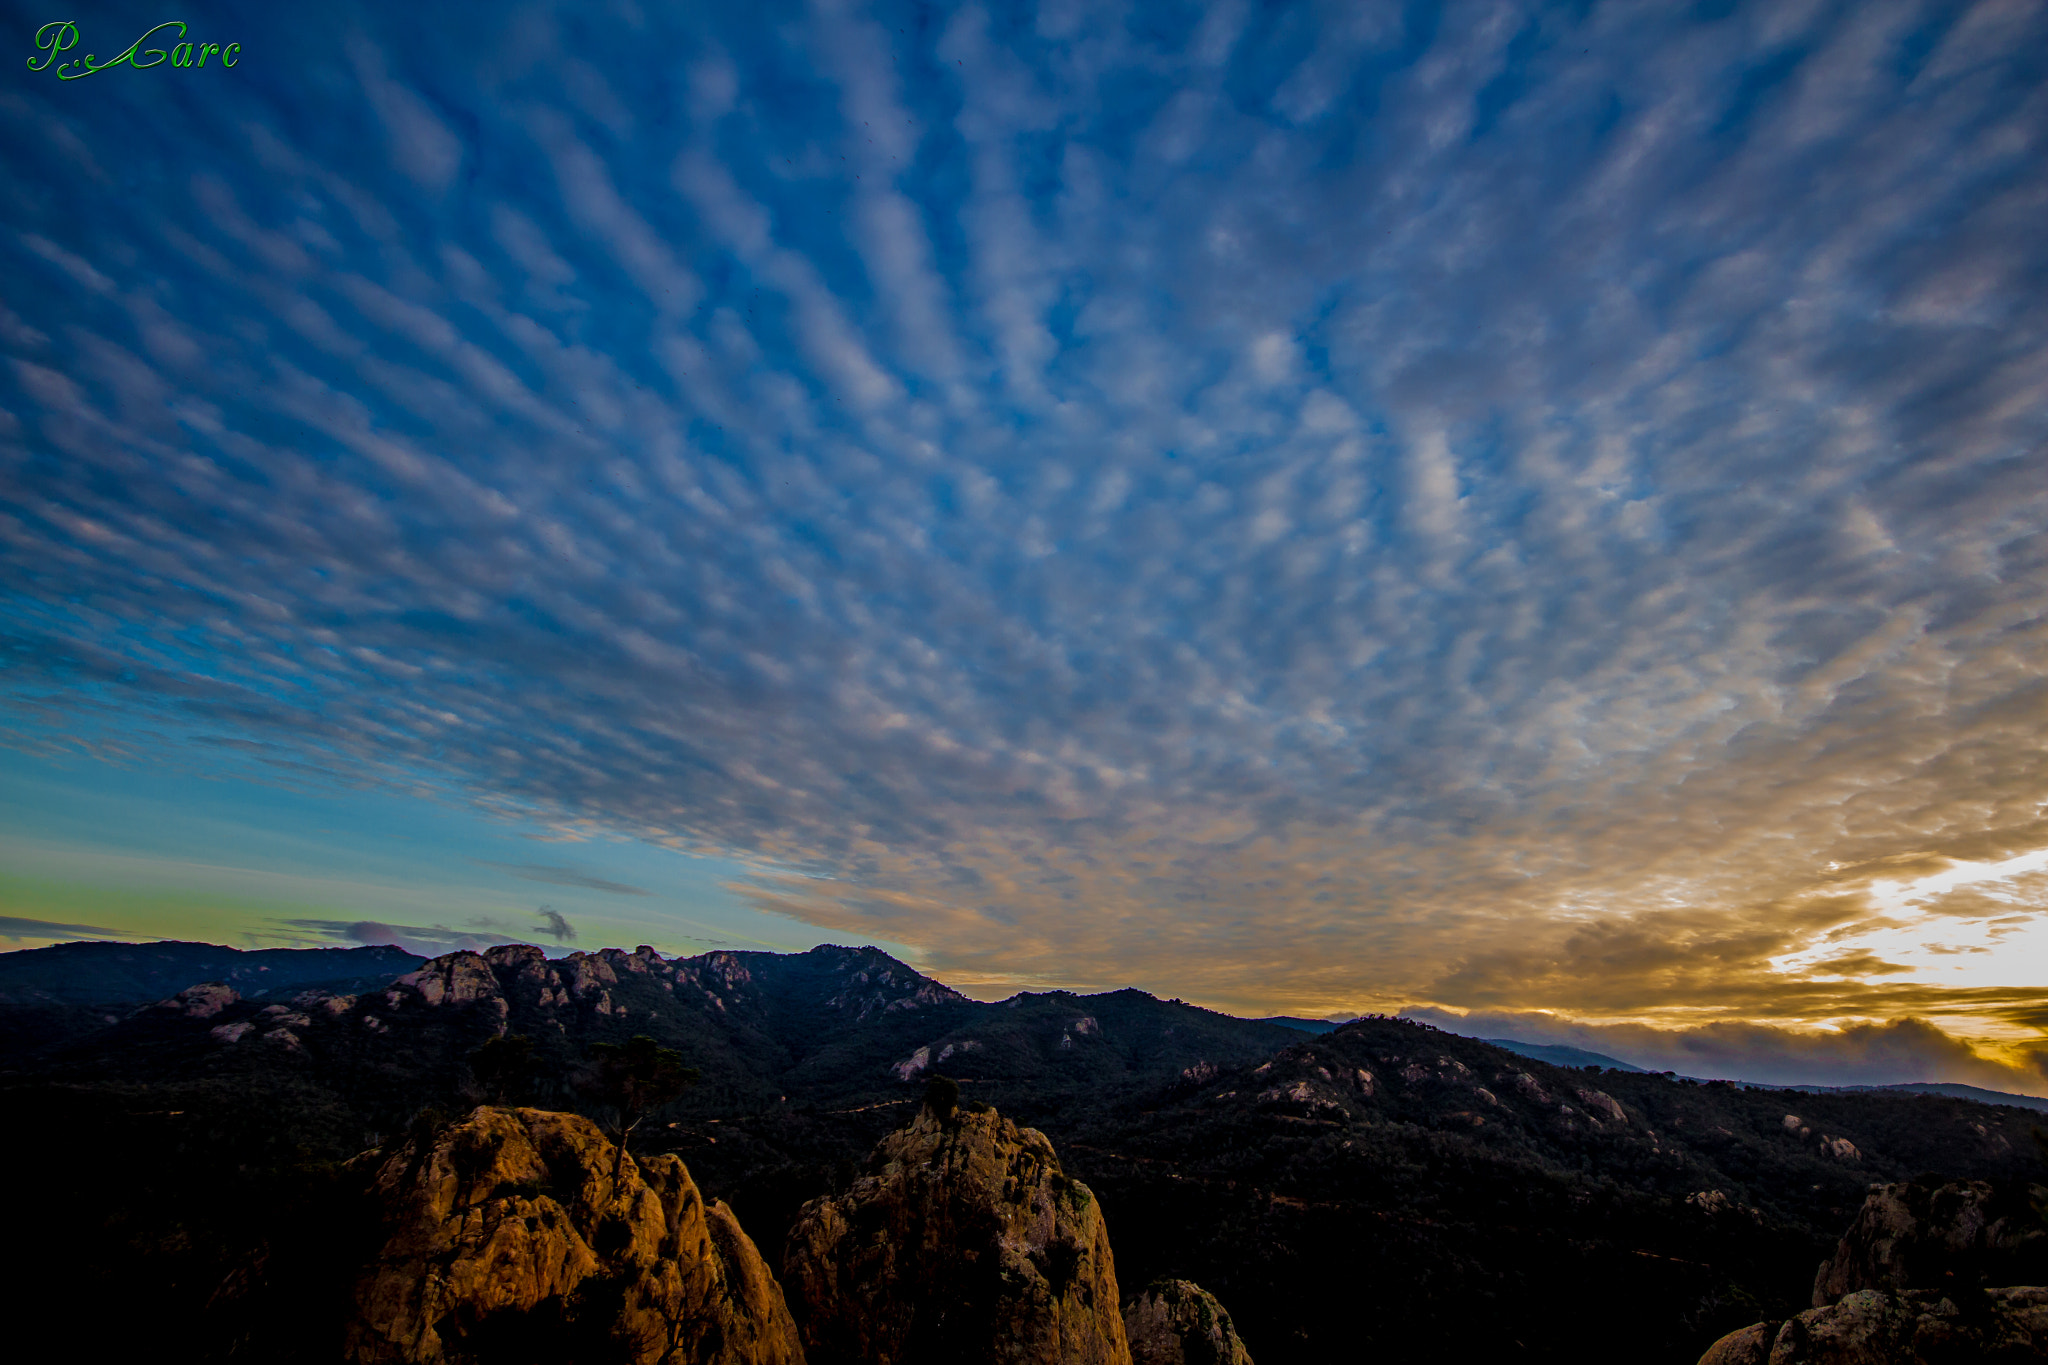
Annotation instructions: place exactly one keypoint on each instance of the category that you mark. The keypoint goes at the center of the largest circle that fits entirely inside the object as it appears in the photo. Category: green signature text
(55, 39)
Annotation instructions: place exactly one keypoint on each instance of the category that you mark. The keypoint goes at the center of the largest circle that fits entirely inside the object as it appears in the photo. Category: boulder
(1177, 1322)
(963, 1241)
(504, 1238)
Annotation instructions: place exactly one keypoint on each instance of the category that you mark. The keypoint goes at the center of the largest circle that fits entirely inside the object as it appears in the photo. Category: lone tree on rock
(633, 1079)
(503, 1068)
(942, 1097)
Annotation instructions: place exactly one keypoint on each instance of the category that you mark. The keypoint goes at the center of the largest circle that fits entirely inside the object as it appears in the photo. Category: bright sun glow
(2001, 940)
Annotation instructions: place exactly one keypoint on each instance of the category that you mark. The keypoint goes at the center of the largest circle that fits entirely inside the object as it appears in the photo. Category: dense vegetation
(1380, 1187)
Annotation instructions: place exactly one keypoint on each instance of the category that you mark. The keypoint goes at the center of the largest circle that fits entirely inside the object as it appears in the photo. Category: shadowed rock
(1907, 1285)
(1177, 1322)
(505, 1239)
(1923, 1235)
(964, 1242)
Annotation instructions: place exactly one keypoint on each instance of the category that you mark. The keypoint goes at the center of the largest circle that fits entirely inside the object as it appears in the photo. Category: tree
(503, 1068)
(633, 1079)
(942, 1097)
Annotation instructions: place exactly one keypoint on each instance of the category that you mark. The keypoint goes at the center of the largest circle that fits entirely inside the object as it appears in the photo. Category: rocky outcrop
(1909, 1284)
(504, 1238)
(1177, 1322)
(1920, 1234)
(461, 978)
(1918, 1327)
(202, 1001)
(964, 1241)
(1602, 1107)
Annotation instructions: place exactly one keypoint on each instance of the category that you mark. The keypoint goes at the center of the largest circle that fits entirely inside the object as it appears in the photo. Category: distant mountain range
(1557, 1054)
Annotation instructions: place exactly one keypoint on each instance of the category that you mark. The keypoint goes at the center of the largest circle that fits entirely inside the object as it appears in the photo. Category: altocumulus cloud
(1493, 507)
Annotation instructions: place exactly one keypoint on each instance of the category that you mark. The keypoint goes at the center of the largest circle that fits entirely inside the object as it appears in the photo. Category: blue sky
(1513, 509)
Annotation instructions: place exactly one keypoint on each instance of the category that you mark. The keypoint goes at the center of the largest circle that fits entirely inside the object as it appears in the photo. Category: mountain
(1400, 1190)
(103, 975)
(1382, 1187)
(1557, 1054)
(70, 990)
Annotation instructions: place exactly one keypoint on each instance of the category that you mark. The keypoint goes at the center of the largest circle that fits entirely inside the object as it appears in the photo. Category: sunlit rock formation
(964, 1241)
(504, 1238)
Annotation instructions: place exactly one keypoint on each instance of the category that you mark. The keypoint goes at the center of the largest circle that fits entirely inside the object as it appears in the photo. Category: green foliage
(632, 1080)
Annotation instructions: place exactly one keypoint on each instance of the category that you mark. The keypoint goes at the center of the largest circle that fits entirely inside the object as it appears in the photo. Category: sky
(1530, 514)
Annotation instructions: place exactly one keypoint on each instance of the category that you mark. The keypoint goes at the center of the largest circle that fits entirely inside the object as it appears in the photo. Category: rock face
(460, 978)
(1918, 1327)
(1909, 1285)
(505, 1240)
(963, 1242)
(1177, 1322)
(1923, 1235)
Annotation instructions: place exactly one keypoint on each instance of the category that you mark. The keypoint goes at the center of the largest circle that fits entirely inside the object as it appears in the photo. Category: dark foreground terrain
(1379, 1190)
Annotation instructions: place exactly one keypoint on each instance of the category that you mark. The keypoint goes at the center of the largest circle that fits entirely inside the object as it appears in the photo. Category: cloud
(420, 143)
(555, 927)
(16, 928)
(1526, 513)
(568, 876)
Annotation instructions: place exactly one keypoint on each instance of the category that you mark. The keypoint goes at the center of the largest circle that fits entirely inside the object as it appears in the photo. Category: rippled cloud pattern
(1499, 506)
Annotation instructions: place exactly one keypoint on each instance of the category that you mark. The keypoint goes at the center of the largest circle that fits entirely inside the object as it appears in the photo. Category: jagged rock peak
(505, 1239)
(1925, 1234)
(514, 957)
(1177, 1322)
(964, 1241)
(457, 978)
